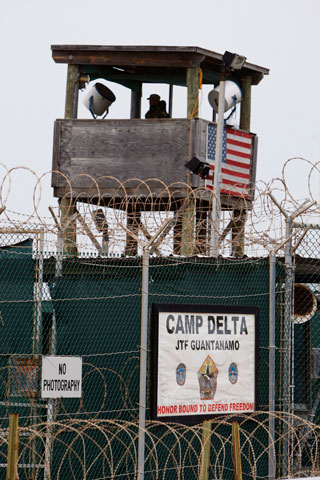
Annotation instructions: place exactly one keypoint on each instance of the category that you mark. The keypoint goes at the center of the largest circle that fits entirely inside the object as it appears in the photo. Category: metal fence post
(51, 401)
(143, 361)
(272, 361)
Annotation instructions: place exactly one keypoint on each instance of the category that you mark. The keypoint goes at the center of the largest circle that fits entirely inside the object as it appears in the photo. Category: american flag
(236, 160)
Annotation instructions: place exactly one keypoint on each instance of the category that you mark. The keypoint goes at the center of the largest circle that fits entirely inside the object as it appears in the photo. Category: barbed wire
(170, 448)
(141, 206)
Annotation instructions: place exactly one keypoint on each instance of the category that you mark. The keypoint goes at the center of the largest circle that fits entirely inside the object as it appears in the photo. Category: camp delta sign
(204, 361)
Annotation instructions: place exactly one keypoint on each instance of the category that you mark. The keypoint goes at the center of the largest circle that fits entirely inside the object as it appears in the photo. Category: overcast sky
(282, 35)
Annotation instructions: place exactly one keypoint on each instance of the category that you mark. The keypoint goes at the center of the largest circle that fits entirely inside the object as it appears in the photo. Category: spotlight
(197, 167)
(98, 100)
(233, 61)
(232, 96)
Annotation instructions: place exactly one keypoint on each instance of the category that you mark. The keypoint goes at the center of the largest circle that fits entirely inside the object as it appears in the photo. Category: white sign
(61, 377)
(206, 362)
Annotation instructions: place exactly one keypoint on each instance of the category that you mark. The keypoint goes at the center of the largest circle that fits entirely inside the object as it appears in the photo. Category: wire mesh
(71, 286)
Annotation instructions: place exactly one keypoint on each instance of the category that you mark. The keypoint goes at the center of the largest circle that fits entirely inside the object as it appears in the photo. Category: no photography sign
(61, 377)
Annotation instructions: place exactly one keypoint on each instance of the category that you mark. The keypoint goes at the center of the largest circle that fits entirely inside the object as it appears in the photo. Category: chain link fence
(88, 304)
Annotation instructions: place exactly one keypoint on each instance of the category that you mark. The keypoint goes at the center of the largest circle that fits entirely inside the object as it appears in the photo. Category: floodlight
(232, 96)
(98, 100)
(197, 167)
(233, 61)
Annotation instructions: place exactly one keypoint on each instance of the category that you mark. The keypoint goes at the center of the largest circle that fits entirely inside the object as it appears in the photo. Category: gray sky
(282, 35)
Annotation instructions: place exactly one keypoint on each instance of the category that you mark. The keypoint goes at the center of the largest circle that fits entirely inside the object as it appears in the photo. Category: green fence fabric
(98, 308)
(91, 307)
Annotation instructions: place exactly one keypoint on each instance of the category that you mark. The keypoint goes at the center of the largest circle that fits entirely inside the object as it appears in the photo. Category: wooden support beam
(187, 232)
(240, 216)
(67, 210)
(170, 100)
(148, 236)
(173, 223)
(236, 451)
(206, 447)
(133, 219)
(201, 228)
(72, 92)
(135, 111)
(68, 205)
(187, 228)
(88, 231)
(239, 222)
(192, 81)
(13, 447)
(245, 113)
(55, 219)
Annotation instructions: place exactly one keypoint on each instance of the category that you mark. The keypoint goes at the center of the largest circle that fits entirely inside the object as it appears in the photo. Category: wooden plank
(135, 148)
(210, 57)
(121, 59)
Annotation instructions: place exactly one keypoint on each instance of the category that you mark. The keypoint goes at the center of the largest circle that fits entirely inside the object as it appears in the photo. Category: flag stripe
(239, 164)
(239, 134)
(237, 153)
(235, 193)
(225, 181)
(239, 169)
(239, 174)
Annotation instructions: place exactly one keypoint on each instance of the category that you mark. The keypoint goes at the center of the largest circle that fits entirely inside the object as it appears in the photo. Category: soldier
(154, 100)
(162, 110)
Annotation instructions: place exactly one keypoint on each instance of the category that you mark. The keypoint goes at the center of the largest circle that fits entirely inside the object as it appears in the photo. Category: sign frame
(158, 308)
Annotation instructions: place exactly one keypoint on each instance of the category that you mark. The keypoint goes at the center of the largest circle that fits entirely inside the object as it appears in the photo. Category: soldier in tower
(158, 108)
(154, 100)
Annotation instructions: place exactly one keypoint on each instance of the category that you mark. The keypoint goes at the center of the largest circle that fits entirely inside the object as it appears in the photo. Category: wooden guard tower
(136, 147)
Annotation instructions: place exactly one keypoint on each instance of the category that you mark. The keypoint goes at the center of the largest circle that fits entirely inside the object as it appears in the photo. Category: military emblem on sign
(181, 374)
(207, 377)
(233, 373)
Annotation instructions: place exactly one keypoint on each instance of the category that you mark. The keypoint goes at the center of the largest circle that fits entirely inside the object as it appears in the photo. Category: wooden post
(187, 233)
(245, 113)
(135, 111)
(238, 226)
(192, 81)
(67, 209)
(240, 215)
(13, 447)
(206, 446)
(236, 451)
(68, 205)
(201, 228)
(133, 220)
(72, 92)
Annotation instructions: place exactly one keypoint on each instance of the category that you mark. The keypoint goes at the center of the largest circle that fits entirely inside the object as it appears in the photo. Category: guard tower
(143, 148)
